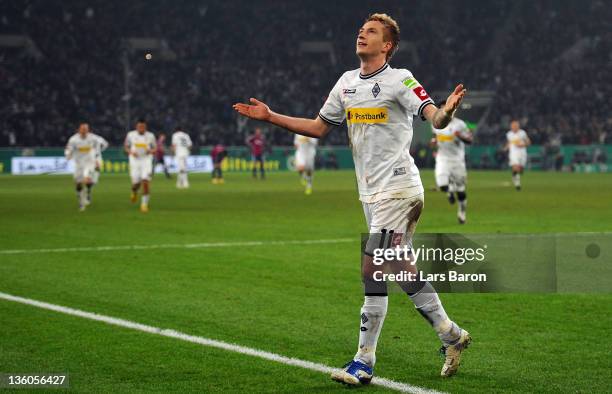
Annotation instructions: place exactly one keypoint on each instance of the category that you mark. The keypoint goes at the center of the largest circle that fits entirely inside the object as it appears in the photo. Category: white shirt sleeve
(152, 142)
(102, 144)
(412, 95)
(69, 149)
(332, 111)
(462, 128)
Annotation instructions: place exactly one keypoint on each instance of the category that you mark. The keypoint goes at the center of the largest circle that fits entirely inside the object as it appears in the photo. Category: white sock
(145, 199)
(516, 179)
(462, 205)
(373, 314)
(429, 306)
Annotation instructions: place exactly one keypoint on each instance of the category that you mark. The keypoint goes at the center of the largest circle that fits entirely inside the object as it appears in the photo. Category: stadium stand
(548, 64)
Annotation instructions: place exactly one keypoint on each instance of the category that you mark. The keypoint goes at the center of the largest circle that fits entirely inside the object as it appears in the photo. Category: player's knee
(461, 196)
(373, 283)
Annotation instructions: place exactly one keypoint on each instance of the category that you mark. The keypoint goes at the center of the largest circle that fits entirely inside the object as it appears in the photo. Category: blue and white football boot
(354, 373)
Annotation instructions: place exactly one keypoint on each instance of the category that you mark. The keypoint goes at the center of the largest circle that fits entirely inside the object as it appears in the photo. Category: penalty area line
(387, 383)
(202, 245)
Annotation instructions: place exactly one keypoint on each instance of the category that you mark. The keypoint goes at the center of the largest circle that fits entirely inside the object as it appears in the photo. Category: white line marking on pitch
(178, 246)
(387, 383)
(255, 243)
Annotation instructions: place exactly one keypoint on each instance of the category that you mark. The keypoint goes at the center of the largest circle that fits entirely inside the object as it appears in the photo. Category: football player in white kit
(140, 145)
(181, 147)
(83, 147)
(305, 152)
(451, 174)
(378, 103)
(517, 143)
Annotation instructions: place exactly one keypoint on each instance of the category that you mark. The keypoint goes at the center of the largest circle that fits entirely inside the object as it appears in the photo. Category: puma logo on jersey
(399, 171)
(367, 115)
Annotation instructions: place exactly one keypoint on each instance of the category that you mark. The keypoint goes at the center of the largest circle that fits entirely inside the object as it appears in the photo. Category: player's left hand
(453, 101)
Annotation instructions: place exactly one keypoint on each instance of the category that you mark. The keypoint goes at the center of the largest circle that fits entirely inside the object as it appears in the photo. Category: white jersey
(182, 143)
(516, 138)
(305, 145)
(378, 109)
(140, 144)
(82, 150)
(450, 147)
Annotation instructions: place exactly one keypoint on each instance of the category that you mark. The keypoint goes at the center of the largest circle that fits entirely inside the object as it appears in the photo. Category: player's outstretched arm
(257, 110)
(441, 117)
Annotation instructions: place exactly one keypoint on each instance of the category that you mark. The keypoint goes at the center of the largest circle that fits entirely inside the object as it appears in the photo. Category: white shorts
(449, 172)
(83, 171)
(305, 160)
(399, 215)
(140, 169)
(518, 158)
(181, 163)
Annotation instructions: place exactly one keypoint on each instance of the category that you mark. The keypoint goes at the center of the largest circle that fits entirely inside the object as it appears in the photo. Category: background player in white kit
(83, 147)
(140, 146)
(517, 143)
(305, 152)
(378, 103)
(451, 173)
(181, 147)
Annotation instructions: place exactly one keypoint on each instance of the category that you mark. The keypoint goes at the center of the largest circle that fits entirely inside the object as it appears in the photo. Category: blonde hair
(391, 32)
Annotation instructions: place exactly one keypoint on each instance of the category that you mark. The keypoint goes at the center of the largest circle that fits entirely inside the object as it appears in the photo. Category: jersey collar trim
(370, 75)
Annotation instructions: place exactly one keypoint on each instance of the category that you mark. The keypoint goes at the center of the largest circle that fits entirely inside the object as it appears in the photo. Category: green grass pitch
(296, 300)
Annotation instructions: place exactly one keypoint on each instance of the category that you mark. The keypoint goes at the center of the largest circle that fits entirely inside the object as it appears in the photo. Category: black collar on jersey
(370, 75)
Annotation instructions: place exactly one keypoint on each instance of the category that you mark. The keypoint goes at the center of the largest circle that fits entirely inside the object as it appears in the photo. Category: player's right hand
(257, 110)
(134, 154)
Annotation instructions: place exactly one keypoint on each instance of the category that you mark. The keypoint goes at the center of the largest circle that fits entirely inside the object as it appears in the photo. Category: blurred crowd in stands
(547, 63)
